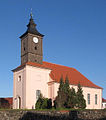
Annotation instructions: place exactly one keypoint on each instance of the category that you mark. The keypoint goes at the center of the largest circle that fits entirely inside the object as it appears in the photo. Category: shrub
(39, 102)
(43, 103)
(49, 104)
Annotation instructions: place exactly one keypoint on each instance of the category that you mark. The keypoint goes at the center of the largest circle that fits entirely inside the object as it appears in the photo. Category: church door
(19, 103)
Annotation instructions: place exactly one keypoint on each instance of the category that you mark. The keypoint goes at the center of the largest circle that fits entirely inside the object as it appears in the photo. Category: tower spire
(31, 27)
(31, 15)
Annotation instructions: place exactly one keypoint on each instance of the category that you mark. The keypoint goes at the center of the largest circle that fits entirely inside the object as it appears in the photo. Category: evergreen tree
(61, 87)
(81, 102)
(61, 97)
(71, 101)
(66, 86)
(66, 91)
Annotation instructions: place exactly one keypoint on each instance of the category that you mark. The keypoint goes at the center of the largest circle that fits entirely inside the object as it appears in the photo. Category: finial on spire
(31, 14)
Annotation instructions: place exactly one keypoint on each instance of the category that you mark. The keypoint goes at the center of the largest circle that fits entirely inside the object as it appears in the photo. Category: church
(35, 76)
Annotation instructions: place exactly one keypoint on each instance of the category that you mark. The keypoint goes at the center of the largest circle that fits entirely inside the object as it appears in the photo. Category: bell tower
(31, 44)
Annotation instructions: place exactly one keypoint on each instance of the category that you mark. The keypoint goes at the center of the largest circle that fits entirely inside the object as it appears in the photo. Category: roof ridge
(58, 65)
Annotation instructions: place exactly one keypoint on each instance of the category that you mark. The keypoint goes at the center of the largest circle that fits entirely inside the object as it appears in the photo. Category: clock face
(35, 39)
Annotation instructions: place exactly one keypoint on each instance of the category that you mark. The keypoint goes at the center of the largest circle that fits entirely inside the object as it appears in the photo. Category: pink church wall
(19, 88)
(36, 79)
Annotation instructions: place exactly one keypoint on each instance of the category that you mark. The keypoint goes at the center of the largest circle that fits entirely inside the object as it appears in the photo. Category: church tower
(31, 44)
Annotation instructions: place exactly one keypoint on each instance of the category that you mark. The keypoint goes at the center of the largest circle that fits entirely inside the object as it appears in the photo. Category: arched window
(19, 78)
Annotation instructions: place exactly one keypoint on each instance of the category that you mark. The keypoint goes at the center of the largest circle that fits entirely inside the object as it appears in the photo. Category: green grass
(53, 109)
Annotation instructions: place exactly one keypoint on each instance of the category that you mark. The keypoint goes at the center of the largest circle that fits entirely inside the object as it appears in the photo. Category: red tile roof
(103, 100)
(57, 71)
(10, 100)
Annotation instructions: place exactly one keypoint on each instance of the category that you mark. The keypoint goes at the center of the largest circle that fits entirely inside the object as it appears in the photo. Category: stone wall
(38, 115)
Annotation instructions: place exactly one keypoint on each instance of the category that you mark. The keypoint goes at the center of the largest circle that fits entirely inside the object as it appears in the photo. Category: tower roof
(31, 28)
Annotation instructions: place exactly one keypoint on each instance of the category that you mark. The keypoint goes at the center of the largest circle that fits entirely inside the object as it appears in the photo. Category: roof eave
(31, 33)
(18, 68)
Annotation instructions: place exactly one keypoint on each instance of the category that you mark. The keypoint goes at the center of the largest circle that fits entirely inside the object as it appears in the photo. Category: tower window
(35, 48)
(19, 78)
(24, 46)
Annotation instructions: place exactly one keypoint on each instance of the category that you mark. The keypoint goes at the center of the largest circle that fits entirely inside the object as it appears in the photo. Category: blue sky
(75, 36)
